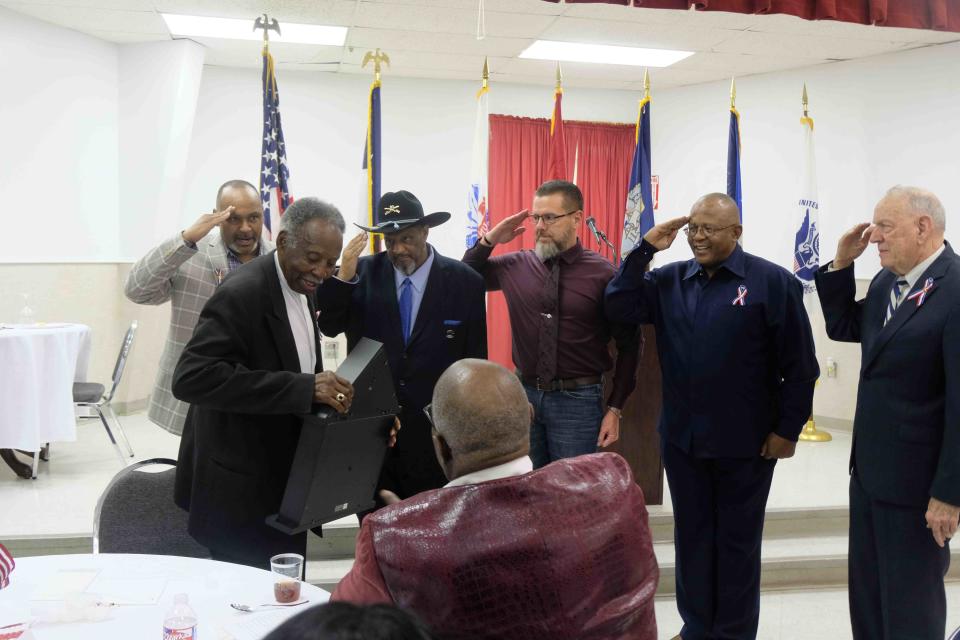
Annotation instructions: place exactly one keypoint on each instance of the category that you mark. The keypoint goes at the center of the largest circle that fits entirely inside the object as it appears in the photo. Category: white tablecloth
(210, 585)
(38, 366)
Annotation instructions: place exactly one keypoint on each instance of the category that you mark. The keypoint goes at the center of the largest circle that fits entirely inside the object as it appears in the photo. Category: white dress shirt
(918, 270)
(301, 322)
(516, 467)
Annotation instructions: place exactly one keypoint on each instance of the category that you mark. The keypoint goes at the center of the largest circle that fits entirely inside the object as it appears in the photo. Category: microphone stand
(602, 236)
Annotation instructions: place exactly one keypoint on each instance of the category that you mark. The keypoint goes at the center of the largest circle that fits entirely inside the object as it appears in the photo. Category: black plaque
(338, 459)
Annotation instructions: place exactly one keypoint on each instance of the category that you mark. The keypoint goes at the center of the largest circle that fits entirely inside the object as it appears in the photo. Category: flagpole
(810, 432)
(373, 161)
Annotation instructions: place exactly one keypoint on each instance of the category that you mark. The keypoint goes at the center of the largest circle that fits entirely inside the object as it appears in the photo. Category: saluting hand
(663, 235)
(331, 389)
(351, 253)
(508, 228)
(199, 229)
(852, 245)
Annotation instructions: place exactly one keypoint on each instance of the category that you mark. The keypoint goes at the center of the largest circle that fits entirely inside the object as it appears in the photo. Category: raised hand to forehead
(662, 235)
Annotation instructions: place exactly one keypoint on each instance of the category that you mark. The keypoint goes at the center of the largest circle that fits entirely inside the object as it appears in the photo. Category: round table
(38, 366)
(210, 585)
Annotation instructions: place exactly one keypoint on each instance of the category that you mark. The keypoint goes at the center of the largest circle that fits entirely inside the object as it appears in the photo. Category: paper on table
(64, 583)
(255, 626)
(127, 590)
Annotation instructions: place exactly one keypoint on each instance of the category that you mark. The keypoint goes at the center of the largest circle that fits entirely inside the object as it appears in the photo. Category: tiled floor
(800, 615)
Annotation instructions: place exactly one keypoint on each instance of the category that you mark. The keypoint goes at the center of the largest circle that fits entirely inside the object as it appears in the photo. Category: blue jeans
(565, 423)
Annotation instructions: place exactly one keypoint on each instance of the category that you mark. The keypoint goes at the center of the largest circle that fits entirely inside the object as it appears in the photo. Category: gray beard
(546, 250)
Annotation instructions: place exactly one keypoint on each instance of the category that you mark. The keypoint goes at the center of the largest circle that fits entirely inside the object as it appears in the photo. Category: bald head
(722, 208)
(481, 412)
(714, 228)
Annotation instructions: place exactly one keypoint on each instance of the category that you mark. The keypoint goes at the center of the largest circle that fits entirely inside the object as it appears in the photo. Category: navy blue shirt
(736, 350)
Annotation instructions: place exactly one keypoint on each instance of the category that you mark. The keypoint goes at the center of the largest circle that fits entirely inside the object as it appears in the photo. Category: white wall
(878, 122)
(159, 83)
(58, 168)
(427, 135)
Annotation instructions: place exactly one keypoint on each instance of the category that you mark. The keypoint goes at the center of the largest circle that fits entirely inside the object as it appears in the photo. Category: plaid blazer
(187, 277)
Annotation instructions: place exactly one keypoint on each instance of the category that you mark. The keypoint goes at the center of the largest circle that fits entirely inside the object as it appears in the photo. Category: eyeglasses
(549, 218)
(428, 411)
(693, 229)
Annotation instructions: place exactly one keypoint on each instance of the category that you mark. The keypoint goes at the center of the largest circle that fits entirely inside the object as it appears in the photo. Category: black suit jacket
(906, 444)
(241, 375)
(450, 325)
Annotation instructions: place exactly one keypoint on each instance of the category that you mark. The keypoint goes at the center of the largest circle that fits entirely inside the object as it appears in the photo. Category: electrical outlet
(831, 368)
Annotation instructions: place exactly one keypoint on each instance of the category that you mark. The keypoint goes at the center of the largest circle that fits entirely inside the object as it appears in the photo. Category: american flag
(274, 174)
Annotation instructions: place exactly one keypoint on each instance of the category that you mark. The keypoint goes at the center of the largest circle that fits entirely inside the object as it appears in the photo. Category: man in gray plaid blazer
(186, 269)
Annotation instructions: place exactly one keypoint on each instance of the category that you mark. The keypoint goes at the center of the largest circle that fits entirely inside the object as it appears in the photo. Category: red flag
(557, 153)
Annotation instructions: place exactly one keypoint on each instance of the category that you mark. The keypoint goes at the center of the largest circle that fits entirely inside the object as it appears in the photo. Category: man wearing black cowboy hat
(427, 310)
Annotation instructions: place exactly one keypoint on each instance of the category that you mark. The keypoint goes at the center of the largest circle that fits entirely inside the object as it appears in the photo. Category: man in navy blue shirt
(738, 365)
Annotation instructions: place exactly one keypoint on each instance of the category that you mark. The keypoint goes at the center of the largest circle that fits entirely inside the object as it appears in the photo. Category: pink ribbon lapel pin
(741, 298)
(921, 295)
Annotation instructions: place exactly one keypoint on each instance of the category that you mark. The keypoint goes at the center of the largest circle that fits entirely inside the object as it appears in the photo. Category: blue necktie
(894, 301)
(406, 308)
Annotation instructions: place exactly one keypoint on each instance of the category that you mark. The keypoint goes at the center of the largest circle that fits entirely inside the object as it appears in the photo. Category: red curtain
(943, 15)
(518, 163)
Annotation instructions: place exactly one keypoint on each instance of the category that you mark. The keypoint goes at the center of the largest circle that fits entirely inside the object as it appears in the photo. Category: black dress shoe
(25, 471)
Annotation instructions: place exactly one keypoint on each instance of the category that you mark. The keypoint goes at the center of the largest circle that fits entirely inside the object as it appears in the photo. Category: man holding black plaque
(250, 370)
(427, 310)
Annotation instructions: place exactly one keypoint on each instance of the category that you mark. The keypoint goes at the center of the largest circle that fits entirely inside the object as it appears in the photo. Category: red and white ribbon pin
(741, 298)
(921, 295)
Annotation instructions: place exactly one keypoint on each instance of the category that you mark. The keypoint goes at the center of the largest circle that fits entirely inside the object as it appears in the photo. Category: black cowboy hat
(401, 209)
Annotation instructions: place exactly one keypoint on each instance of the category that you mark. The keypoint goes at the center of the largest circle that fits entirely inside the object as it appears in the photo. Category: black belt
(560, 385)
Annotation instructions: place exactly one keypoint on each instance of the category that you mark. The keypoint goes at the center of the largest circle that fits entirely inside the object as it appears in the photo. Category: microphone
(602, 238)
(599, 235)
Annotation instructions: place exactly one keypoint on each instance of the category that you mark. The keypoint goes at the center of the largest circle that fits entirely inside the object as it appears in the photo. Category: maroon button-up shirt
(584, 331)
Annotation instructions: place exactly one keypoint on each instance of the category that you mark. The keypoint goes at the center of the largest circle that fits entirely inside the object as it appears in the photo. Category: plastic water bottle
(180, 623)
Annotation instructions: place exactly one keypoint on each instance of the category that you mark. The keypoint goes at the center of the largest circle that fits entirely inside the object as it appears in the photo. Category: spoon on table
(263, 607)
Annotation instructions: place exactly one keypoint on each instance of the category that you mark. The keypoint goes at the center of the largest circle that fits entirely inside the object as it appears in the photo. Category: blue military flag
(734, 189)
(638, 218)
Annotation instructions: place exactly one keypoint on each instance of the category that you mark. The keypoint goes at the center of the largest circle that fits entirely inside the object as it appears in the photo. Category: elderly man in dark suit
(250, 370)
(905, 464)
(427, 310)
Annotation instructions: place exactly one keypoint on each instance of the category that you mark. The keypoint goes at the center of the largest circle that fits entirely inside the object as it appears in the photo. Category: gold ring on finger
(341, 397)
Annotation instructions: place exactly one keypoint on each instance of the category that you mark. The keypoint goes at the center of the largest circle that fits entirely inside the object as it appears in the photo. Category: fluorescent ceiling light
(237, 29)
(603, 54)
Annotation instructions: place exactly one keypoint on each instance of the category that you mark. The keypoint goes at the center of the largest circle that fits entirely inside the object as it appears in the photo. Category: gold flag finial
(806, 102)
(377, 58)
(733, 93)
(646, 83)
(486, 73)
(267, 24)
(559, 78)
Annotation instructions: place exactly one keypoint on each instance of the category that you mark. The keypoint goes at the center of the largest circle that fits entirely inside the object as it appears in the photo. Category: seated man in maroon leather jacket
(504, 552)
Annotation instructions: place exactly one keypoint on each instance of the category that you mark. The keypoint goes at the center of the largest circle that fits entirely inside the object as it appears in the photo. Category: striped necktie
(895, 293)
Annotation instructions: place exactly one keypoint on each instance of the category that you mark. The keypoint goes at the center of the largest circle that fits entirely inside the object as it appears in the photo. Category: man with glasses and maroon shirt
(738, 366)
(554, 297)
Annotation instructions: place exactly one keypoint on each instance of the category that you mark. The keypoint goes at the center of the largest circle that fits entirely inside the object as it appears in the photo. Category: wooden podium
(639, 441)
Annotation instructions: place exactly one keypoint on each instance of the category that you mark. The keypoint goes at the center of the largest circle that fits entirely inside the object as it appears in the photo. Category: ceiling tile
(391, 39)
(804, 46)
(86, 19)
(634, 35)
(125, 37)
(330, 12)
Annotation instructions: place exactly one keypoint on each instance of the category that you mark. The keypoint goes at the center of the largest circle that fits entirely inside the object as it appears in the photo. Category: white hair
(922, 203)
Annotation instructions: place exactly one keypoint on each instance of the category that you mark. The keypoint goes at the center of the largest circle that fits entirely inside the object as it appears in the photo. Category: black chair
(136, 514)
(95, 396)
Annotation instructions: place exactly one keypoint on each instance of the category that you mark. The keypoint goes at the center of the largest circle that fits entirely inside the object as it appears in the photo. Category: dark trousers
(565, 423)
(718, 508)
(895, 571)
